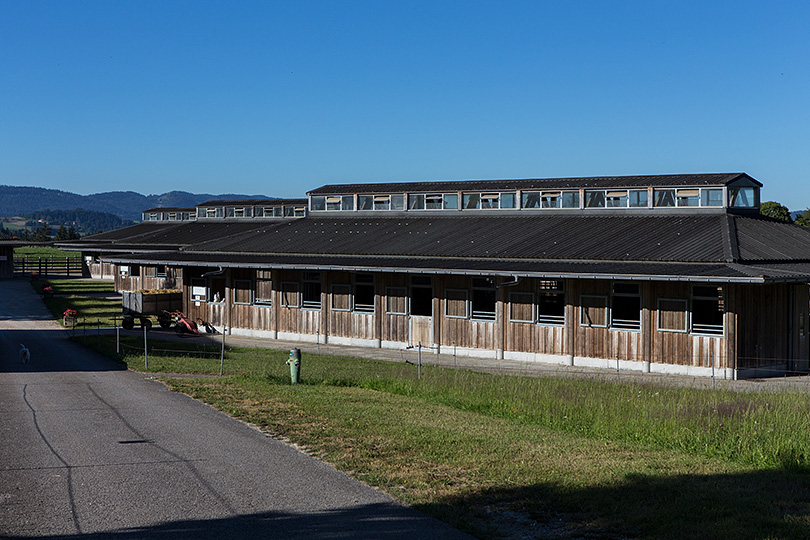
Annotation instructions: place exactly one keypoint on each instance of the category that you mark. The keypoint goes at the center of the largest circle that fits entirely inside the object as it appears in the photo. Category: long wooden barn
(670, 273)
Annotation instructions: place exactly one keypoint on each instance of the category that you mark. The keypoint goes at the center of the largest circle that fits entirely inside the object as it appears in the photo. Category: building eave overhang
(620, 270)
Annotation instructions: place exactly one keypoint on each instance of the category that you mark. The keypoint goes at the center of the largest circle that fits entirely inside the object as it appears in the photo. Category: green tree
(775, 210)
(43, 233)
(61, 234)
(804, 219)
(72, 234)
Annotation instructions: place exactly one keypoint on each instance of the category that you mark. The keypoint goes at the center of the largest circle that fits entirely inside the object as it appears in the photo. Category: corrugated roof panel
(664, 238)
(762, 239)
(674, 180)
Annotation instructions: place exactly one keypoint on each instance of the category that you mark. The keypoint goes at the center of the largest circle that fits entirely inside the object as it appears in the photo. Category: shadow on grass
(756, 505)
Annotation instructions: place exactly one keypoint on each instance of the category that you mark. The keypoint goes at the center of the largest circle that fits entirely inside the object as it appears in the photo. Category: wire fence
(761, 373)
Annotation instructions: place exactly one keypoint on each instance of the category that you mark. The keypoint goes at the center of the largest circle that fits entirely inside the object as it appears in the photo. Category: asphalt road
(90, 451)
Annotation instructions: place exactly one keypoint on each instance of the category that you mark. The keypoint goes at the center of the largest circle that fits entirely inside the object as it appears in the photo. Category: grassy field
(83, 296)
(43, 251)
(512, 457)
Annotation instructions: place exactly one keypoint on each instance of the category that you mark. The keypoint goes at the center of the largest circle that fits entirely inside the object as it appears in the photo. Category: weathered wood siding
(680, 347)
(765, 333)
(532, 337)
(460, 332)
(763, 325)
(604, 342)
(395, 327)
(343, 321)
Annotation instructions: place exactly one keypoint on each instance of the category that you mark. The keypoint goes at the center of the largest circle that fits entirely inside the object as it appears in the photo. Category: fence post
(617, 365)
(145, 353)
(222, 354)
(419, 362)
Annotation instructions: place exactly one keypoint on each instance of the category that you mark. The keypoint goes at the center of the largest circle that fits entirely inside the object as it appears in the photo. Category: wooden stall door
(420, 330)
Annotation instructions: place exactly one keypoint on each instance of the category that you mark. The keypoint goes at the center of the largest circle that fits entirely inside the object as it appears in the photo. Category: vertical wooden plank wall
(759, 329)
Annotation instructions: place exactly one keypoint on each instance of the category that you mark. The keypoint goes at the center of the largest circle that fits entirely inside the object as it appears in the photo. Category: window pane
(311, 295)
(626, 312)
(688, 197)
(490, 200)
(382, 203)
(711, 197)
(397, 202)
(451, 201)
(570, 199)
(433, 202)
(741, 197)
(551, 307)
(483, 304)
(638, 198)
(664, 197)
(471, 200)
(707, 316)
(708, 308)
(364, 297)
(530, 200)
(594, 199)
(617, 199)
(332, 203)
(347, 202)
(416, 202)
(507, 200)
(551, 200)
(365, 202)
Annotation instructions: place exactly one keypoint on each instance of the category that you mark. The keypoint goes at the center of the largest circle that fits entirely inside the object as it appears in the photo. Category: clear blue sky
(277, 98)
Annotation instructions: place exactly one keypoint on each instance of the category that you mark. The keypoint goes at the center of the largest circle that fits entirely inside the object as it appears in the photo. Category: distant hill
(83, 221)
(17, 201)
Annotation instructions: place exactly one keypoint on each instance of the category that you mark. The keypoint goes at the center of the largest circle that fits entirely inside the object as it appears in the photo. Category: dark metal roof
(666, 246)
(606, 237)
(256, 202)
(762, 239)
(170, 209)
(662, 180)
(502, 267)
(133, 231)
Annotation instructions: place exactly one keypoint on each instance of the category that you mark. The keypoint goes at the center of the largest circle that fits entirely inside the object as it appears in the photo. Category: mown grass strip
(81, 295)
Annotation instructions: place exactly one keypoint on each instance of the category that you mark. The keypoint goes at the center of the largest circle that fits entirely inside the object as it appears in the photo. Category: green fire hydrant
(295, 365)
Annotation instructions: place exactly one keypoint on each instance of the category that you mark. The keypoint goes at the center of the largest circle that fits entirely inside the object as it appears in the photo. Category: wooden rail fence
(48, 265)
